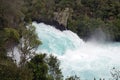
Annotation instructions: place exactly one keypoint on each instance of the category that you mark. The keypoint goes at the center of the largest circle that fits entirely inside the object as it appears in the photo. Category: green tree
(8, 39)
(29, 43)
(45, 68)
(116, 29)
(39, 67)
(66, 3)
(10, 71)
(39, 10)
(54, 69)
(10, 17)
(10, 13)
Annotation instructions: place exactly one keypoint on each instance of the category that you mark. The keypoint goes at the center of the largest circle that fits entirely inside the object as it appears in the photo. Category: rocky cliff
(62, 16)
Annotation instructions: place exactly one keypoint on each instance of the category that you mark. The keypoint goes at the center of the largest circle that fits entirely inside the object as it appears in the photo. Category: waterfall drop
(85, 59)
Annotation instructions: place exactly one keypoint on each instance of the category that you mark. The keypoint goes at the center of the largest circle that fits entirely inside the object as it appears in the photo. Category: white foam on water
(85, 59)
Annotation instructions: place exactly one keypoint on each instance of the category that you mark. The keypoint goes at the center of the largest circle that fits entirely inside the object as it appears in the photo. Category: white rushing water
(85, 59)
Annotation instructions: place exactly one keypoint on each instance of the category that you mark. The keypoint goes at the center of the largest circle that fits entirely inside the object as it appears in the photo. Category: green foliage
(10, 13)
(28, 43)
(66, 3)
(12, 33)
(72, 25)
(91, 14)
(30, 35)
(10, 17)
(9, 71)
(39, 67)
(86, 26)
(8, 38)
(39, 9)
(54, 69)
(3, 54)
(116, 29)
(2, 42)
(45, 68)
(102, 8)
(24, 73)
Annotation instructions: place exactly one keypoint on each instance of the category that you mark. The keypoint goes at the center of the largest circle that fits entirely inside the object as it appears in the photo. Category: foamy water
(85, 59)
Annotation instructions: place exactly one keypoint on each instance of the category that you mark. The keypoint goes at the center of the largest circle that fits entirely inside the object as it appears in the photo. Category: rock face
(62, 16)
(59, 20)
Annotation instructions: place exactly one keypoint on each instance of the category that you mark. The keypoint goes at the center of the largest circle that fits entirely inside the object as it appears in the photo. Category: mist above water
(85, 59)
(99, 36)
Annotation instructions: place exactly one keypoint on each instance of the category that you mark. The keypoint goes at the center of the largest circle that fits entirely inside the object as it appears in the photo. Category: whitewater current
(84, 59)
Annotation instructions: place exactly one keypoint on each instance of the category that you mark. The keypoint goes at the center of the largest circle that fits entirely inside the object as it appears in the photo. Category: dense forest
(85, 17)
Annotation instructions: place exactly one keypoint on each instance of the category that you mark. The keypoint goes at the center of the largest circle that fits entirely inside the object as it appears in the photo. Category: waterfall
(85, 59)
